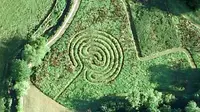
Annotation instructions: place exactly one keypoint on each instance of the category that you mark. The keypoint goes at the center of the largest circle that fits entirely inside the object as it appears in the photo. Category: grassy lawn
(96, 56)
(18, 19)
(162, 24)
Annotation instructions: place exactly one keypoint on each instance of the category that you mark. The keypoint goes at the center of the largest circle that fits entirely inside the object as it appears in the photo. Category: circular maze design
(97, 55)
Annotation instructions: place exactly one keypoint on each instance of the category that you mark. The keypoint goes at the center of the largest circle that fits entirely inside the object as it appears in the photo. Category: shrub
(21, 88)
(35, 51)
(20, 70)
(192, 107)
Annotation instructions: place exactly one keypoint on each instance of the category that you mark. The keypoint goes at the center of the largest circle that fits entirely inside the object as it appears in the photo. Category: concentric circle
(97, 55)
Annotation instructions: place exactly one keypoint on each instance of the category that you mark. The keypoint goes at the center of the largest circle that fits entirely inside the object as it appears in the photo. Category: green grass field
(145, 51)
(18, 18)
(96, 57)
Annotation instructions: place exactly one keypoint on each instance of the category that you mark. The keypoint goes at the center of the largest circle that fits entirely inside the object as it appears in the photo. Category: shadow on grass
(104, 104)
(176, 7)
(9, 50)
(183, 83)
(51, 31)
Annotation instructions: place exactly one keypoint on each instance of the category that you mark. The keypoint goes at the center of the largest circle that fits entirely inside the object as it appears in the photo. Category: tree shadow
(52, 30)
(104, 104)
(176, 7)
(9, 49)
(183, 83)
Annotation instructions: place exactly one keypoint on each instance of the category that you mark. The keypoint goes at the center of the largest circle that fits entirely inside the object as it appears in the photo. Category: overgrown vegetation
(18, 80)
(61, 75)
(100, 41)
(18, 19)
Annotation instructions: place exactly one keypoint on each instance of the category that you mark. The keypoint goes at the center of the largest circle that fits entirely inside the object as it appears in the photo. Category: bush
(2, 106)
(21, 88)
(192, 107)
(149, 98)
(20, 70)
(19, 107)
(35, 51)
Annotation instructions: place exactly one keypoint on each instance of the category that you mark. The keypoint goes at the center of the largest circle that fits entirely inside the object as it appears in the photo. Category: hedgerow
(20, 69)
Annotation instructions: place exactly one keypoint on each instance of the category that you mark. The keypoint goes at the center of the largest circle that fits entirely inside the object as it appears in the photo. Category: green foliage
(114, 107)
(18, 18)
(169, 98)
(21, 88)
(190, 36)
(197, 95)
(111, 104)
(156, 30)
(59, 70)
(2, 106)
(20, 70)
(192, 107)
(149, 98)
(35, 51)
(19, 107)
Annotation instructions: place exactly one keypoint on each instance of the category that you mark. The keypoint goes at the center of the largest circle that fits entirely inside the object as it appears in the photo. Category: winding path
(65, 24)
(68, 19)
(29, 99)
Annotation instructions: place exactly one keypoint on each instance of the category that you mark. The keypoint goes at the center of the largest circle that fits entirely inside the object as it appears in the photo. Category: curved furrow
(96, 55)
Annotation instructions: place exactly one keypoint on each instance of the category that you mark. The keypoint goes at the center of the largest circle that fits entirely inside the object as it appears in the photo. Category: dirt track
(65, 24)
(36, 101)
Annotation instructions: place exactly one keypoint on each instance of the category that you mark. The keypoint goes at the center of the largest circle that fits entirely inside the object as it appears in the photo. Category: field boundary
(65, 24)
(45, 19)
(158, 54)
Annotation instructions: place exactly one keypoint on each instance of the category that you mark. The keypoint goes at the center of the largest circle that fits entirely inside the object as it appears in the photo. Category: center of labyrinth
(97, 55)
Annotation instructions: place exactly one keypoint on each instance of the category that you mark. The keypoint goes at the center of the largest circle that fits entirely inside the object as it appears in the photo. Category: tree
(111, 104)
(192, 107)
(149, 98)
(21, 88)
(20, 70)
(35, 51)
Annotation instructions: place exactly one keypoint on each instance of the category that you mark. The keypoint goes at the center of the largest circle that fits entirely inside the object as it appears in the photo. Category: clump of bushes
(35, 51)
(192, 107)
(20, 69)
(149, 99)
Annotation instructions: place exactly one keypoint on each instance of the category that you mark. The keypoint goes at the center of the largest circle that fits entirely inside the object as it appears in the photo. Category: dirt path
(65, 24)
(36, 101)
(169, 51)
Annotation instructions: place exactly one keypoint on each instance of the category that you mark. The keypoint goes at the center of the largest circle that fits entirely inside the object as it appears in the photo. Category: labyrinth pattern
(96, 55)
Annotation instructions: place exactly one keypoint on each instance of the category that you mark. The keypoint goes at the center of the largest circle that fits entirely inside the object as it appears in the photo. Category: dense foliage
(35, 51)
(110, 104)
(157, 30)
(192, 107)
(18, 19)
(20, 69)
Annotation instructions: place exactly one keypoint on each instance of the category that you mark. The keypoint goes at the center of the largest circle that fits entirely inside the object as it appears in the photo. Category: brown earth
(36, 101)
